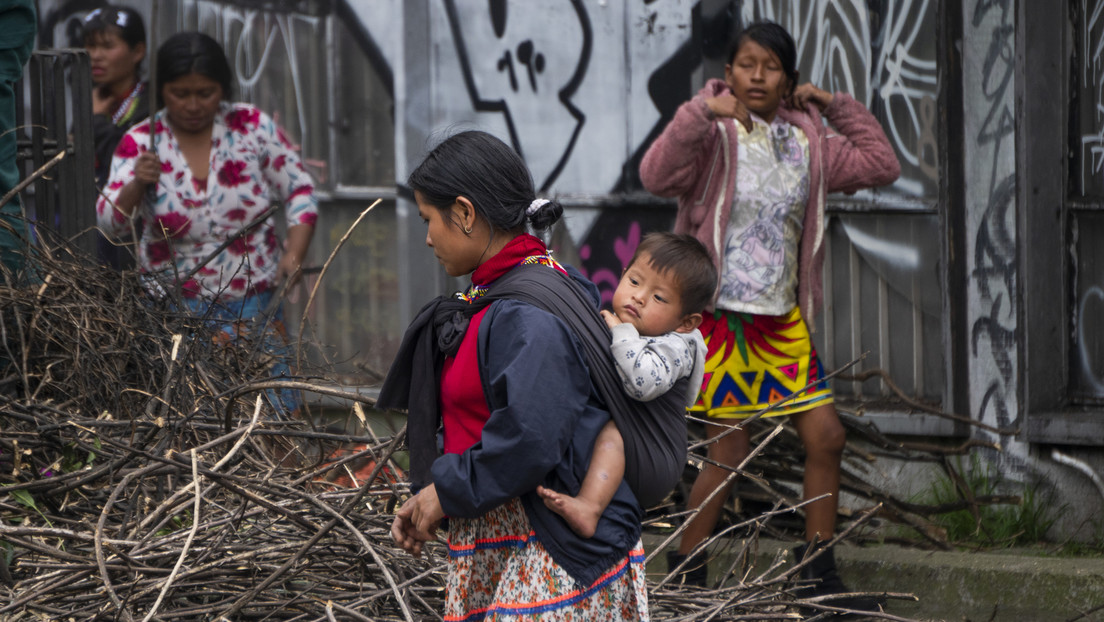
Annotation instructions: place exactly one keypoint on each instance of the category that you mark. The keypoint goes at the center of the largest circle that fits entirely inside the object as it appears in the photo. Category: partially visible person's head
(115, 38)
(187, 53)
(474, 177)
(123, 22)
(762, 67)
(667, 284)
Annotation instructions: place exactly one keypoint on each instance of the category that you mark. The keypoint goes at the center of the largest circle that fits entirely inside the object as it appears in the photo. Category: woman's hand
(147, 169)
(295, 253)
(806, 93)
(728, 106)
(417, 521)
(288, 268)
(402, 532)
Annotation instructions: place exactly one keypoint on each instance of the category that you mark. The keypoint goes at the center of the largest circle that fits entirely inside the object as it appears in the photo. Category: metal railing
(62, 197)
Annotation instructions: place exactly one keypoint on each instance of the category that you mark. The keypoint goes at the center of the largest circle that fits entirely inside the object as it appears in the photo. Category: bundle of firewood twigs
(145, 475)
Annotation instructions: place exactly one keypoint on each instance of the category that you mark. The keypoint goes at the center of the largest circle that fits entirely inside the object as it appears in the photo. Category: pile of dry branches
(145, 476)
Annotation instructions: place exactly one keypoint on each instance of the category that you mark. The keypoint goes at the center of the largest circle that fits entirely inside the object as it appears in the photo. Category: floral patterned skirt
(498, 570)
(753, 361)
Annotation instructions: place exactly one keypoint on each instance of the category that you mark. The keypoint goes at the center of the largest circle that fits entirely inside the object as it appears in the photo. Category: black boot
(823, 580)
(695, 572)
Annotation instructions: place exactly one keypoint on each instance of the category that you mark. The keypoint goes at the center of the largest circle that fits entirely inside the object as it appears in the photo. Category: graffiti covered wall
(883, 54)
(1088, 160)
(554, 79)
(580, 88)
(1090, 81)
(990, 174)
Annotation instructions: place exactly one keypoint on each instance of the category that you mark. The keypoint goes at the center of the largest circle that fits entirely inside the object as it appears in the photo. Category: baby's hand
(610, 318)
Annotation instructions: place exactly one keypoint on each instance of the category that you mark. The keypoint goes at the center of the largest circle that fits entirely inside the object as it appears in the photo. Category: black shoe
(695, 572)
(823, 579)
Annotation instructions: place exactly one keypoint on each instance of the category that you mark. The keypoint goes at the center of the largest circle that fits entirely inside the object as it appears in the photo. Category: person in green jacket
(19, 24)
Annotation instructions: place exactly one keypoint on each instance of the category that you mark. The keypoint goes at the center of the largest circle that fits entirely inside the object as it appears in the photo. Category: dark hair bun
(543, 213)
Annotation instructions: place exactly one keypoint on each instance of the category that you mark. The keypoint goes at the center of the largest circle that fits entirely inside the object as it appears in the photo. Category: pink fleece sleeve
(859, 156)
(673, 163)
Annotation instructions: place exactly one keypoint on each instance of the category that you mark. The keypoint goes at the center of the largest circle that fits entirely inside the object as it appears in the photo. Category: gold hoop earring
(467, 230)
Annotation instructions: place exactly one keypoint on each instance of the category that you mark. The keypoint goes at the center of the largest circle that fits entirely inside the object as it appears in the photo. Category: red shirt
(464, 407)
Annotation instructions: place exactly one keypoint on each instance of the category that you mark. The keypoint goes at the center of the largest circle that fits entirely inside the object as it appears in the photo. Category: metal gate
(55, 149)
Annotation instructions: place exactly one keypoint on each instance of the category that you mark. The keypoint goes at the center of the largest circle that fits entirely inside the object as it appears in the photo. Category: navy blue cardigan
(545, 416)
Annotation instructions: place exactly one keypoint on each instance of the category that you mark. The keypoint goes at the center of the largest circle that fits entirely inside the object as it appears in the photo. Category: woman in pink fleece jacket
(763, 223)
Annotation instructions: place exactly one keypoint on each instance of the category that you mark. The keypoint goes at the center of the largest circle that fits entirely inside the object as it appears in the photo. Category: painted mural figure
(659, 355)
(215, 169)
(501, 48)
(115, 38)
(506, 381)
(751, 161)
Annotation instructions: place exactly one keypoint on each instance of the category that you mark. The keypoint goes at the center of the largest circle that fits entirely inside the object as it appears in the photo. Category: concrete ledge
(958, 587)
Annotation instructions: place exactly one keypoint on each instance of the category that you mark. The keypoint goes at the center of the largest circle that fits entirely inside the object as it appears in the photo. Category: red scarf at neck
(516, 251)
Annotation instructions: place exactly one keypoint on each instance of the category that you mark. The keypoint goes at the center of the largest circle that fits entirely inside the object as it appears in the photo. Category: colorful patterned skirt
(498, 570)
(753, 361)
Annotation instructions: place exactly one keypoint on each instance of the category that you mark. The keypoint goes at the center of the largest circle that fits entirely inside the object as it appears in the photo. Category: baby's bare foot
(580, 514)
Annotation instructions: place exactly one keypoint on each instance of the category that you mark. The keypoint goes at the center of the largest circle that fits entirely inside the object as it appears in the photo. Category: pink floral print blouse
(252, 166)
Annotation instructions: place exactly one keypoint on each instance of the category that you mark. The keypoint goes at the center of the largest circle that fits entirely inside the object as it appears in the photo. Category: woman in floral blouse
(216, 166)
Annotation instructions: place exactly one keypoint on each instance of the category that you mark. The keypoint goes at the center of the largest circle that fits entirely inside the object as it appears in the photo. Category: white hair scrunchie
(535, 205)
